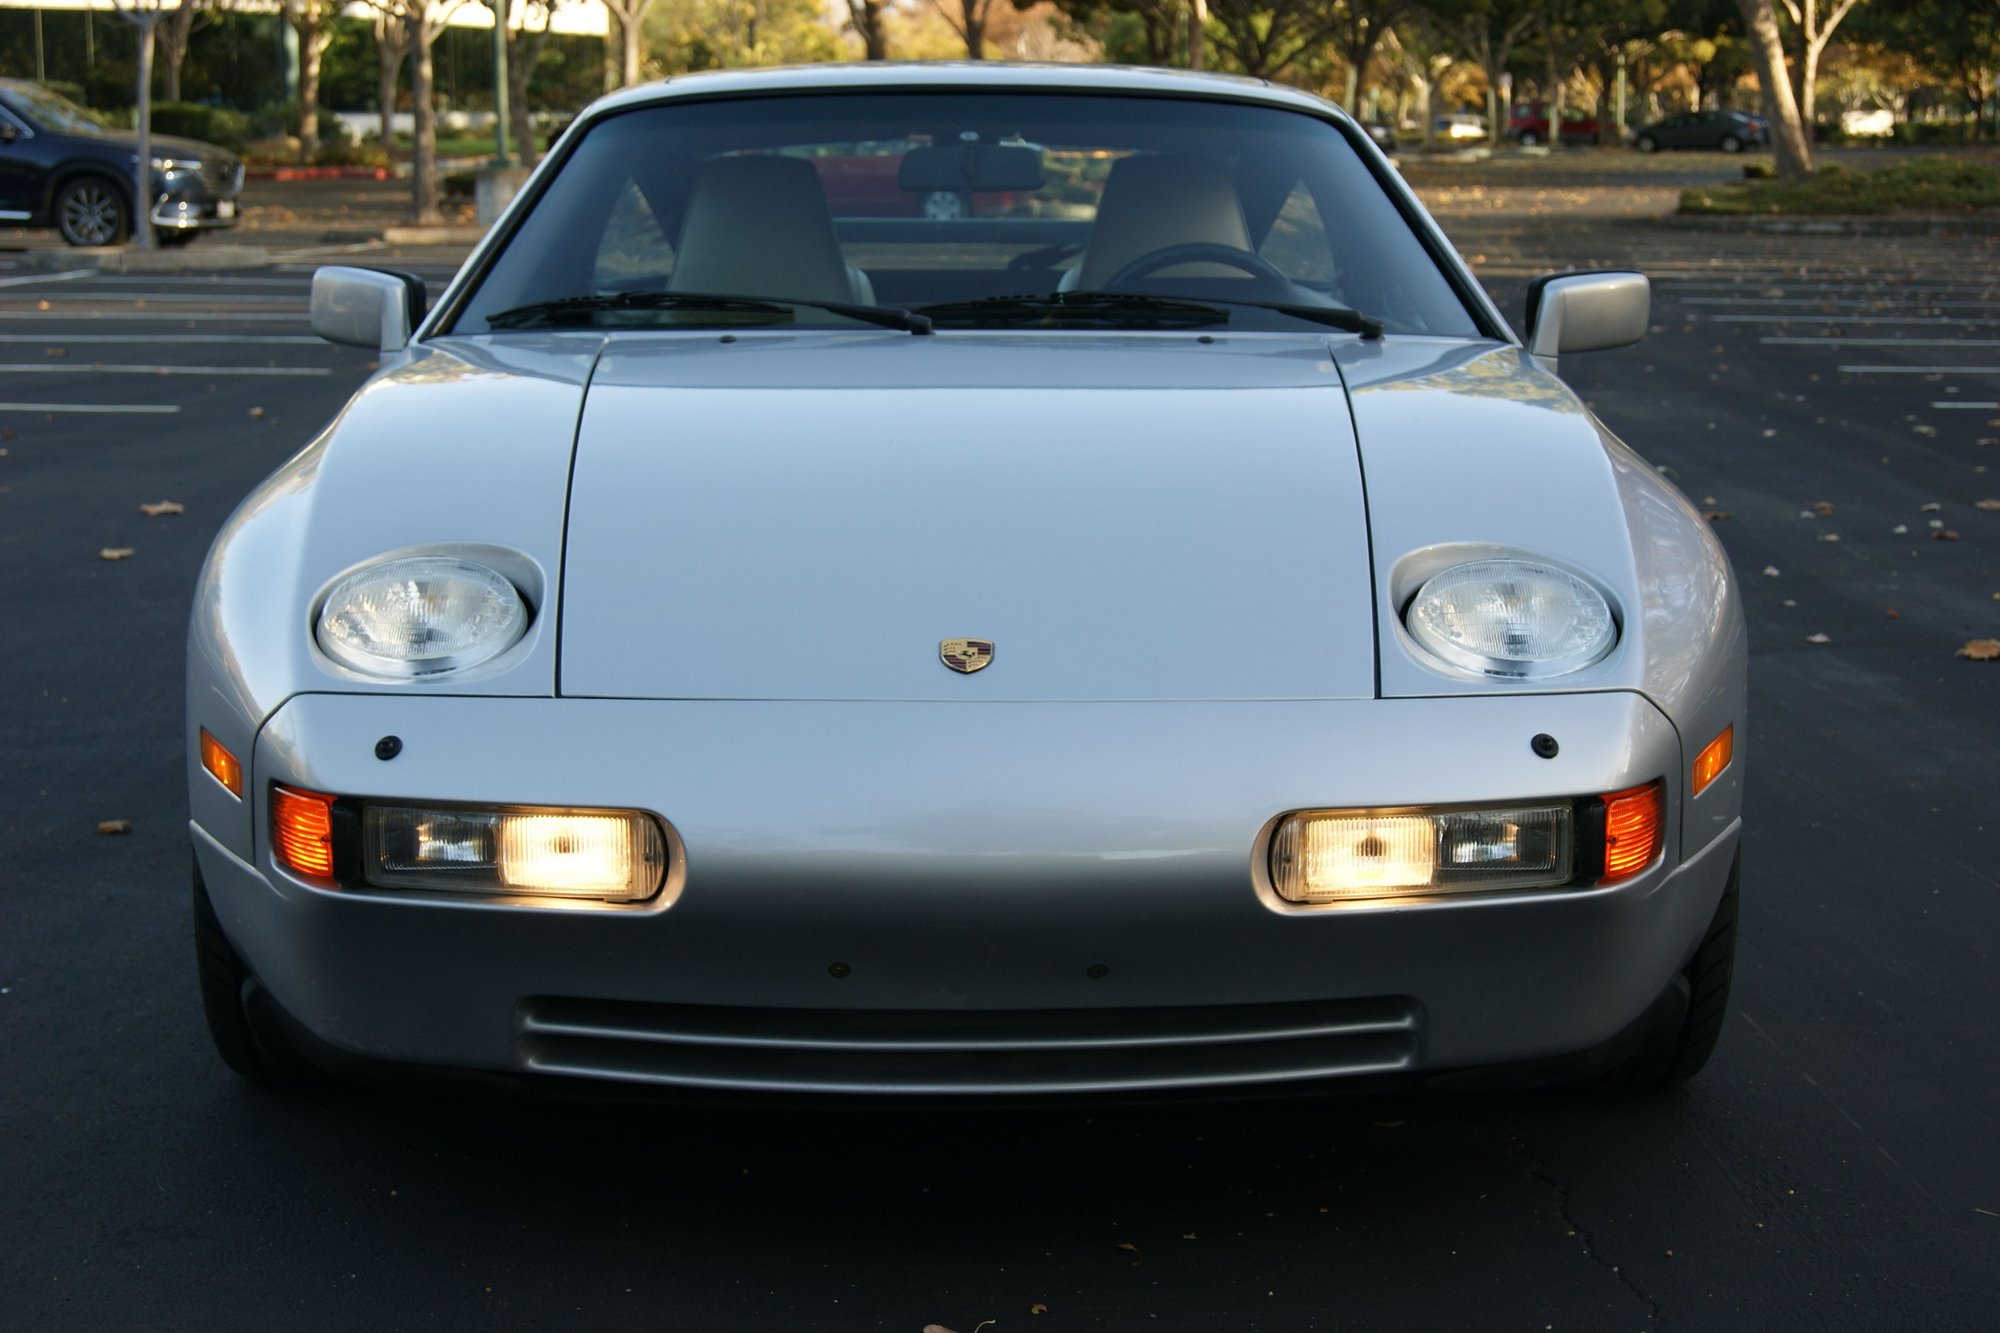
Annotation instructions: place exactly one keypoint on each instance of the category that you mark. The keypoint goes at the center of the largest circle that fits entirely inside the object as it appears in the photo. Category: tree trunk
(391, 47)
(1787, 136)
(423, 154)
(142, 166)
(1197, 25)
(312, 45)
(629, 48)
(524, 53)
(1809, 85)
(1552, 99)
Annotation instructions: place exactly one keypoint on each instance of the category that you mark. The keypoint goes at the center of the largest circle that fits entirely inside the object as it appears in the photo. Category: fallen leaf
(1128, 1245)
(1768, 433)
(1945, 535)
(1829, 536)
(1933, 507)
(1936, 523)
(256, 411)
(1824, 508)
(1036, 1307)
(1990, 506)
(1900, 530)
(115, 553)
(1976, 650)
(159, 507)
(55, 351)
(1817, 638)
(43, 305)
(1715, 515)
(1893, 614)
(1924, 430)
(1770, 571)
(1788, 602)
(115, 826)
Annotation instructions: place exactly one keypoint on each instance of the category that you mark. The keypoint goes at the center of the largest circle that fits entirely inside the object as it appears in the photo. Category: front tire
(223, 984)
(1680, 1056)
(1646, 143)
(91, 211)
(1730, 144)
(1529, 138)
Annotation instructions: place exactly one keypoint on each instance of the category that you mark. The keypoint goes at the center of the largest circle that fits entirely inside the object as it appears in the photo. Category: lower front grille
(944, 1052)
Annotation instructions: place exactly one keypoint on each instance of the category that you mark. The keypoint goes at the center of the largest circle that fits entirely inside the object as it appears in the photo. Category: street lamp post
(501, 156)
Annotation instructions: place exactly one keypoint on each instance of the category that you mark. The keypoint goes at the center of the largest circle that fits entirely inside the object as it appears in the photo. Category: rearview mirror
(1586, 312)
(365, 307)
(967, 167)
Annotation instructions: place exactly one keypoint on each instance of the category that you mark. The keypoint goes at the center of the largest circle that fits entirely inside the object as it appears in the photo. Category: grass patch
(1926, 185)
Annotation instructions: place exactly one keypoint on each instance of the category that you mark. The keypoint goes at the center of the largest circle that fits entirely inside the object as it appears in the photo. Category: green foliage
(1925, 185)
(730, 34)
(211, 124)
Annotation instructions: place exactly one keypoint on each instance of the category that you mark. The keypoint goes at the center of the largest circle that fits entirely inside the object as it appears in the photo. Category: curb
(1907, 224)
(112, 259)
(442, 235)
(320, 173)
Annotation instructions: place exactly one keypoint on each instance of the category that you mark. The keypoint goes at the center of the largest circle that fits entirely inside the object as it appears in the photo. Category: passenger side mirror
(1586, 312)
(365, 307)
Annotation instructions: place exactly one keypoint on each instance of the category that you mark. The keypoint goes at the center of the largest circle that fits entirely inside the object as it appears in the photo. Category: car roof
(966, 76)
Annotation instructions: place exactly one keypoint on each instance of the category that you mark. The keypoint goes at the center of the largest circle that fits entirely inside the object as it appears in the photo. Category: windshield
(938, 202)
(52, 111)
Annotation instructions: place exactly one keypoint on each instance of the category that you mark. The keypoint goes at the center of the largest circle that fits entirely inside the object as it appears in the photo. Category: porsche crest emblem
(966, 655)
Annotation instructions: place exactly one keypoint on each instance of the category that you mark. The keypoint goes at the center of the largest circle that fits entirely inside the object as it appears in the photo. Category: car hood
(1121, 517)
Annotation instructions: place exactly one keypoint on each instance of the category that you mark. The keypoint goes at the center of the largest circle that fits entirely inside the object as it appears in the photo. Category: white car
(1170, 634)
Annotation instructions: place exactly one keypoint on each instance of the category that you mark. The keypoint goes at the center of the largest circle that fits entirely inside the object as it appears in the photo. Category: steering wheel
(1198, 252)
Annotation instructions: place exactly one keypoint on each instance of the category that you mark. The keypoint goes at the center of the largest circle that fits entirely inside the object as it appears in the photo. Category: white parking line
(130, 409)
(1864, 302)
(1920, 370)
(33, 278)
(1881, 342)
(185, 316)
(1849, 319)
(96, 294)
(63, 368)
(1966, 407)
(1765, 288)
(249, 339)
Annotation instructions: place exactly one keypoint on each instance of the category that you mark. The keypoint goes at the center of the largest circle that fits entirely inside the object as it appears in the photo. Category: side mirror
(8, 133)
(1586, 312)
(364, 307)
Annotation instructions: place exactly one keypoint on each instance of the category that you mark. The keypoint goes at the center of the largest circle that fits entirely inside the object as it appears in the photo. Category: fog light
(616, 855)
(1323, 856)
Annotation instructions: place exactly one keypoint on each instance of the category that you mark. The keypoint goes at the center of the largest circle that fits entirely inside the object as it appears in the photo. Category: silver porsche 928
(967, 580)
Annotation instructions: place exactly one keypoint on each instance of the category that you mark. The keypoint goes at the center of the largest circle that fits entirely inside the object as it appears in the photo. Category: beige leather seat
(1156, 200)
(759, 226)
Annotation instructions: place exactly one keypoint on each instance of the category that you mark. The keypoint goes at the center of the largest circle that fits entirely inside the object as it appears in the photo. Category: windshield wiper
(580, 311)
(1333, 316)
(1065, 307)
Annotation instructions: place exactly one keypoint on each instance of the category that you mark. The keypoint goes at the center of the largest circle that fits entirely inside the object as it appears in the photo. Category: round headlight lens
(420, 615)
(1514, 618)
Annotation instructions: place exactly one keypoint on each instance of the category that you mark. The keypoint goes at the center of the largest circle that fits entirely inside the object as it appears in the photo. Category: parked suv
(61, 167)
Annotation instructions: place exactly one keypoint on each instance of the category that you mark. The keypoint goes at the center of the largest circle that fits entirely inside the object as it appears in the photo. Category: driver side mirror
(365, 307)
(1586, 312)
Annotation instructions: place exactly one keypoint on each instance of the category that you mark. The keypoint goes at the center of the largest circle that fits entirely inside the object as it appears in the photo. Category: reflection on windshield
(54, 112)
(921, 200)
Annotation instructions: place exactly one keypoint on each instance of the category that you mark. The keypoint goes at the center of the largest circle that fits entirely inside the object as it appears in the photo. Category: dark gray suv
(61, 167)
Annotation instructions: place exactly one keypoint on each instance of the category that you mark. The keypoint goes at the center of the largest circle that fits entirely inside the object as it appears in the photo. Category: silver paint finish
(360, 308)
(814, 542)
(964, 856)
(1590, 312)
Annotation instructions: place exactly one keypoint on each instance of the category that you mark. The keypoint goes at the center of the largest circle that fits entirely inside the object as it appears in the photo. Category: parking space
(1830, 402)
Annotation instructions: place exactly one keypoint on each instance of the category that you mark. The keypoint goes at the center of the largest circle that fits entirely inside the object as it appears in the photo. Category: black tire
(1646, 143)
(1679, 1055)
(91, 210)
(223, 978)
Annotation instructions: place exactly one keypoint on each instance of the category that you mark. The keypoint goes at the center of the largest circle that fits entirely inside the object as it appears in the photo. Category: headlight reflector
(420, 615)
(613, 855)
(1516, 618)
(1321, 856)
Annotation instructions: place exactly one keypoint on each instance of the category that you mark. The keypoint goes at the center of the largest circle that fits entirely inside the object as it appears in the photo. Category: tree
(870, 21)
(422, 22)
(1490, 32)
(312, 20)
(392, 48)
(175, 30)
(1788, 136)
(1358, 29)
(145, 15)
(630, 14)
(1812, 29)
(1264, 37)
(526, 25)
(968, 18)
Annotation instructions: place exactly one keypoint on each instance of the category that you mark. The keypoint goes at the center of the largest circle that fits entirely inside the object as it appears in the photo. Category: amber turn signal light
(221, 764)
(302, 831)
(1714, 757)
(1632, 820)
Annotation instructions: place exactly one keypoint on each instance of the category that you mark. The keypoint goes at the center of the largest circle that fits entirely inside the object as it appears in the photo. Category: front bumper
(195, 211)
(963, 898)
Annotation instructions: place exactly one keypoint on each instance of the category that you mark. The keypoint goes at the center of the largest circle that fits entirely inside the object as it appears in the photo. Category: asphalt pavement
(1834, 403)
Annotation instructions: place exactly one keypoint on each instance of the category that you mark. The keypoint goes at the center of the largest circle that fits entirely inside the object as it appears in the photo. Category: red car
(863, 184)
(1528, 125)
